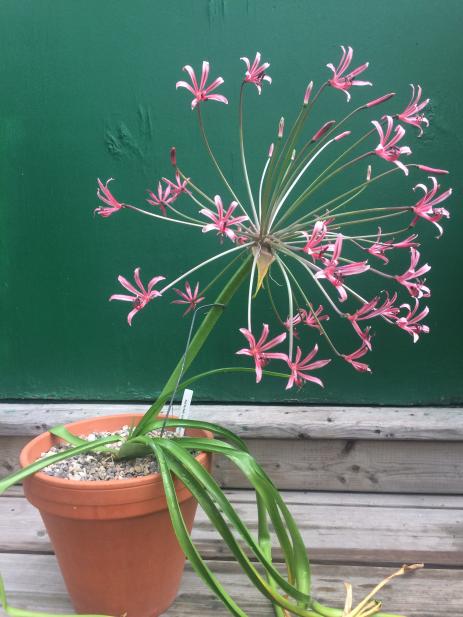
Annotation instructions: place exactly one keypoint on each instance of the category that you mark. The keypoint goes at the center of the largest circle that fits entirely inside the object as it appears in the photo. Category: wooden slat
(363, 465)
(33, 582)
(263, 421)
(333, 465)
(374, 529)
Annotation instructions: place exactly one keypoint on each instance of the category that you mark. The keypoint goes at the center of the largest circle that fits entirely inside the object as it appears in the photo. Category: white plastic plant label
(184, 410)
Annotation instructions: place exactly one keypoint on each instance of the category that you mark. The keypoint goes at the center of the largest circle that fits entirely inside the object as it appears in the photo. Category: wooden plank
(33, 582)
(378, 529)
(337, 465)
(363, 465)
(263, 421)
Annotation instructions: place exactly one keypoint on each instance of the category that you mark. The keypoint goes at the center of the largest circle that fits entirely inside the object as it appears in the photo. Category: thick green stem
(198, 341)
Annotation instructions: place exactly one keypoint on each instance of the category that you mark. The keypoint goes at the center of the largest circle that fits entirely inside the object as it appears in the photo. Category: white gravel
(101, 465)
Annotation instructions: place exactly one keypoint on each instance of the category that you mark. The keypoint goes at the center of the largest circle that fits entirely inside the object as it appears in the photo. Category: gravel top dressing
(101, 465)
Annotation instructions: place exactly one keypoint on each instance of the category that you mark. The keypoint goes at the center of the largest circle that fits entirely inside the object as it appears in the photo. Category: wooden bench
(371, 488)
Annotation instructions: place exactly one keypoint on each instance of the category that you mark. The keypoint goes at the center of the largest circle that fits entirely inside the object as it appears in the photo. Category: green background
(88, 89)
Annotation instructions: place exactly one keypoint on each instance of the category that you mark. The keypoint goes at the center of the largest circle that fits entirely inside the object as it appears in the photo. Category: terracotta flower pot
(113, 539)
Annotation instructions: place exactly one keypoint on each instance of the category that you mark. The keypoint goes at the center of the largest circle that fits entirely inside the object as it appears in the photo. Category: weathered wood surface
(338, 527)
(263, 421)
(332, 465)
(360, 465)
(33, 582)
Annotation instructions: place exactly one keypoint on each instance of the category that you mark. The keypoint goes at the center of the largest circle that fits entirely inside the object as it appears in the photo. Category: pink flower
(335, 273)
(141, 296)
(201, 92)
(415, 287)
(387, 148)
(179, 186)
(410, 321)
(293, 321)
(260, 350)
(105, 195)
(223, 221)
(300, 367)
(188, 297)
(345, 82)
(354, 356)
(163, 198)
(379, 248)
(311, 318)
(425, 208)
(411, 114)
(255, 74)
(312, 247)
(369, 310)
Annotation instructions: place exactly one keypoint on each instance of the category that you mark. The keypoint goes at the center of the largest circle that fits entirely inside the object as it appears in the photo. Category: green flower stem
(369, 220)
(198, 341)
(323, 177)
(214, 160)
(243, 157)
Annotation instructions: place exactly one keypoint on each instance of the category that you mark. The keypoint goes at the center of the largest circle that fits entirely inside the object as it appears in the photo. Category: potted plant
(281, 231)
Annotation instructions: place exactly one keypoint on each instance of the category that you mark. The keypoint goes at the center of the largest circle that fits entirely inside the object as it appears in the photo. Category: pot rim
(96, 485)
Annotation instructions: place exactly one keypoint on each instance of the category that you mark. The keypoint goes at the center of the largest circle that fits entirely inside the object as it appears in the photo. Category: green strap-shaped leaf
(184, 539)
(202, 476)
(221, 526)
(16, 477)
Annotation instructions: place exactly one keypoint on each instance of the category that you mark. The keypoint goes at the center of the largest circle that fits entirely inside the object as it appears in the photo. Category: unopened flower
(345, 82)
(387, 148)
(201, 92)
(255, 73)
(411, 114)
(308, 92)
(432, 170)
(105, 195)
(379, 100)
(189, 297)
(335, 273)
(322, 130)
(354, 356)
(411, 321)
(259, 350)
(410, 278)
(179, 186)
(223, 221)
(300, 367)
(426, 206)
(141, 296)
(163, 199)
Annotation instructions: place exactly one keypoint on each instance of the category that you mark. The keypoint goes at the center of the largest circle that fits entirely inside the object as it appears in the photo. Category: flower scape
(315, 248)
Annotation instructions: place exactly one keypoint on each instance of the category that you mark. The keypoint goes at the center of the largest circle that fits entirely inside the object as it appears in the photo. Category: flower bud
(173, 156)
(342, 135)
(307, 94)
(281, 127)
(380, 100)
(368, 173)
(270, 151)
(323, 130)
(432, 170)
(293, 155)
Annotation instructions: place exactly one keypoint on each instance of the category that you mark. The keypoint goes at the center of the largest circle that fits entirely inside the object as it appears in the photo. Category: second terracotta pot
(114, 540)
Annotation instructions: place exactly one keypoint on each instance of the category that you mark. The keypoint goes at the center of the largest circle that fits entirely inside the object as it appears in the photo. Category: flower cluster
(282, 226)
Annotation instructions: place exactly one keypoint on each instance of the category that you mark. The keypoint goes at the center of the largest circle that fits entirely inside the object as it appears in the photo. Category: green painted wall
(87, 90)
